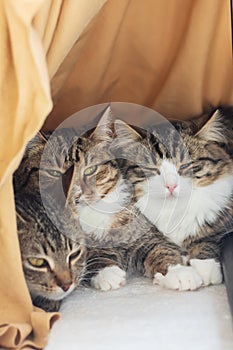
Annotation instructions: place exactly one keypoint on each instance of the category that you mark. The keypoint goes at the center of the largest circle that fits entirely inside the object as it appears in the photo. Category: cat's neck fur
(96, 219)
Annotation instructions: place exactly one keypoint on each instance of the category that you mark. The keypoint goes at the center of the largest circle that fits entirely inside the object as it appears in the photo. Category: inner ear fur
(213, 129)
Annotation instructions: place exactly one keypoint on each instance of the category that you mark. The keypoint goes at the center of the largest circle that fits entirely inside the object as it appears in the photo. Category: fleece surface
(142, 316)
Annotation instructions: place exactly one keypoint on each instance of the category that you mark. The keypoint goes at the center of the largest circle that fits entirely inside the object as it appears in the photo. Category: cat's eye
(38, 262)
(54, 173)
(91, 170)
(75, 255)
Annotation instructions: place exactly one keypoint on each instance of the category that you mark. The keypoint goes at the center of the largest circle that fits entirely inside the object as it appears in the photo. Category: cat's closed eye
(75, 255)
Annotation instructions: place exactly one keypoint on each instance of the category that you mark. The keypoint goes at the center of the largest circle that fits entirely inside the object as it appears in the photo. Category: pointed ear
(125, 132)
(38, 140)
(213, 129)
(104, 129)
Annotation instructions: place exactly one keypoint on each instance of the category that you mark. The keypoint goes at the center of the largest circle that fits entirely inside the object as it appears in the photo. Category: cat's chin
(56, 294)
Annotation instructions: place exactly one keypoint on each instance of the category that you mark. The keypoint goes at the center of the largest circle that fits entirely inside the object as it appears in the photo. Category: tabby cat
(47, 164)
(126, 240)
(184, 185)
(53, 264)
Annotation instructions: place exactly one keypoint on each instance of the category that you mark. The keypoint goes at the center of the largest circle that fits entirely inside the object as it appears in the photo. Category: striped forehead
(169, 144)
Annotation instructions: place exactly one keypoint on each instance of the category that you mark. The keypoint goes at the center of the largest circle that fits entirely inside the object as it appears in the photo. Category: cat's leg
(109, 277)
(105, 269)
(204, 257)
(166, 264)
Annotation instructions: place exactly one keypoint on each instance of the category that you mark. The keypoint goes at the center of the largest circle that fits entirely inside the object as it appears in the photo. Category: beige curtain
(59, 56)
(36, 36)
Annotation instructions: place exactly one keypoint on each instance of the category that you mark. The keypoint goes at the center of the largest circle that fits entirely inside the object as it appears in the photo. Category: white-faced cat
(53, 264)
(184, 185)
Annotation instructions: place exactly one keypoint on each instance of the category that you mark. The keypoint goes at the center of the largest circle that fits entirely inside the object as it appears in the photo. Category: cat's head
(168, 163)
(53, 264)
(97, 176)
(47, 161)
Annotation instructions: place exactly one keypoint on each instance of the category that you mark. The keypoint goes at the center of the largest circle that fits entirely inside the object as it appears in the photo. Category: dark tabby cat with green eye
(53, 264)
(184, 185)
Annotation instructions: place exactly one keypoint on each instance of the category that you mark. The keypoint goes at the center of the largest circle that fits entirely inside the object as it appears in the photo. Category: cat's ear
(125, 132)
(104, 131)
(213, 129)
(38, 140)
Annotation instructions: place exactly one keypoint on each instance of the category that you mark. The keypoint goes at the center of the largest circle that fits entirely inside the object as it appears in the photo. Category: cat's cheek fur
(180, 278)
(209, 270)
(110, 277)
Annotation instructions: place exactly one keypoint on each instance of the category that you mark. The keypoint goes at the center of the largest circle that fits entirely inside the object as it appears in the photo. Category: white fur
(181, 214)
(209, 270)
(97, 217)
(111, 277)
(180, 278)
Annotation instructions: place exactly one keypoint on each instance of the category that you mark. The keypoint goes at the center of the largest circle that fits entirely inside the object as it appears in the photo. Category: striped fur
(64, 259)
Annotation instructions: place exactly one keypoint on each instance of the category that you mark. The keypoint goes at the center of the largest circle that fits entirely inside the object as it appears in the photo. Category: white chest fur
(181, 216)
(97, 217)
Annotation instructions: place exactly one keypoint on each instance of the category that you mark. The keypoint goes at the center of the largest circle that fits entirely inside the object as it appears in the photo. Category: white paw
(179, 277)
(111, 277)
(208, 269)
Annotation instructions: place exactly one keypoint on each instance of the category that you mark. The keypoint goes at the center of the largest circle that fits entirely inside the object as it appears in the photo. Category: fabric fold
(25, 102)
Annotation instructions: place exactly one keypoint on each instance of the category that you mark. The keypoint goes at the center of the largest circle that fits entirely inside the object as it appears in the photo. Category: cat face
(98, 190)
(97, 181)
(170, 162)
(53, 264)
(47, 162)
(181, 180)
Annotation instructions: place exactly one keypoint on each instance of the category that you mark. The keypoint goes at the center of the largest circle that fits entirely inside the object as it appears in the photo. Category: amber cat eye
(91, 170)
(38, 262)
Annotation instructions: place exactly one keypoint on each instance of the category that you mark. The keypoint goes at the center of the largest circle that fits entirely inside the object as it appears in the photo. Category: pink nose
(171, 187)
(66, 286)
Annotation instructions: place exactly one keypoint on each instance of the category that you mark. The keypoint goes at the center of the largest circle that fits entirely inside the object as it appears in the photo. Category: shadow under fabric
(58, 57)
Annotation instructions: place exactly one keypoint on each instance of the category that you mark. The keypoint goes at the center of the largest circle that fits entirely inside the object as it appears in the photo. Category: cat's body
(53, 264)
(184, 185)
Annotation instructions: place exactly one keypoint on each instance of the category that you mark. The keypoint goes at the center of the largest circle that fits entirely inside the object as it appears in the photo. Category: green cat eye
(91, 170)
(37, 262)
(54, 173)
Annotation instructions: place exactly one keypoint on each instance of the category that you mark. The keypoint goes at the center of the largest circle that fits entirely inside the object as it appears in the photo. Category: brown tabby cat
(184, 185)
(53, 264)
(52, 171)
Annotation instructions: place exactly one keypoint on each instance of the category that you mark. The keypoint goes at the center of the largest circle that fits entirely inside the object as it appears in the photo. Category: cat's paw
(209, 270)
(110, 277)
(179, 277)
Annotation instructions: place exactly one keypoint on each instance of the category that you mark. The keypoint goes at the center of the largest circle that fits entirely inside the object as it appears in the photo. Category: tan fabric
(174, 56)
(29, 31)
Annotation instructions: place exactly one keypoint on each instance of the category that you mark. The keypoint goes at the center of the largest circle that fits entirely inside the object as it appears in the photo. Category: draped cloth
(60, 56)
